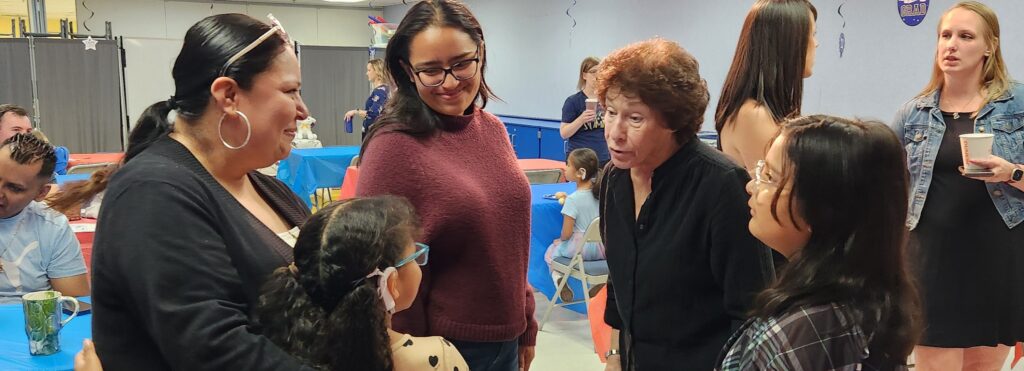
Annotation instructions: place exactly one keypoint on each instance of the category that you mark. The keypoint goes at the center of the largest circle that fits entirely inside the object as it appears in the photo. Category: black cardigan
(178, 264)
(682, 274)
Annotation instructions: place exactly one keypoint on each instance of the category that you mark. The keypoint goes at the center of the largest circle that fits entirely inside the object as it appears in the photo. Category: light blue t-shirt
(36, 245)
(581, 206)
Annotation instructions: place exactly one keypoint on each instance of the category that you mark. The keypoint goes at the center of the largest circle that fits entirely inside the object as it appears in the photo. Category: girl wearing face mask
(966, 229)
(830, 196)
(355, 266)
(435, 146)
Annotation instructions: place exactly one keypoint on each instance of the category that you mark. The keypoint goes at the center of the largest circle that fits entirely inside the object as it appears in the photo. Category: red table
(93, 158)
(540, 164)
(85, 230)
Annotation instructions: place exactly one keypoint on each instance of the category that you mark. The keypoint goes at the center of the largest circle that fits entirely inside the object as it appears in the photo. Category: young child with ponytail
(356, 264)
(578, 211)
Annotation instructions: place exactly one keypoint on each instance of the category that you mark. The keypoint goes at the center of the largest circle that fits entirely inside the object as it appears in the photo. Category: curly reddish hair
(664, 76)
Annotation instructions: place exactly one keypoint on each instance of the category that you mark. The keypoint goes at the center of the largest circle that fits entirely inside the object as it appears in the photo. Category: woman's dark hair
(586, 158)
(324, 311)
(208, 45)
(405, 112)
(664, 76)
(770, 59)
(849, 182)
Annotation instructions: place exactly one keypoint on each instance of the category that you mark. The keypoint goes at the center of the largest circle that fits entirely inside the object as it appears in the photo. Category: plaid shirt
(808, 339)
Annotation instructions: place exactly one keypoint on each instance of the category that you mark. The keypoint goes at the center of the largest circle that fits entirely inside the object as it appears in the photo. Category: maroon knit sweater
(474, 205)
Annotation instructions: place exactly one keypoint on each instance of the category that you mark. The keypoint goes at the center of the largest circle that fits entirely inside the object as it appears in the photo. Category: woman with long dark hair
(966, 228)
(189, 230)
(765, 82)
(435, 146)
(830, 195)
(356, 264)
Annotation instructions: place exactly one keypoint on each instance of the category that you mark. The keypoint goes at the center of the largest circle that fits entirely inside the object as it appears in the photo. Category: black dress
(969, 265)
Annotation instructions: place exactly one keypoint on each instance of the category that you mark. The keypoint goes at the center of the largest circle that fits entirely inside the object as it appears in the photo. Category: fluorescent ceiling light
(344, 1)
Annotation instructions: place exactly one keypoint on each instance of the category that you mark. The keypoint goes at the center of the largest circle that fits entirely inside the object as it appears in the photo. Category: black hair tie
(172, 103)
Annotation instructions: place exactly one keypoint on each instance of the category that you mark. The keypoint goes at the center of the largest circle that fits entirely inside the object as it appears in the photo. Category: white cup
(591, 104)
(975, 146)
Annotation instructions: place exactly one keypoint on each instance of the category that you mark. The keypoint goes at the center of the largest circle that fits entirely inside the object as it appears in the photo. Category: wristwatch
(611, 352)
(1016, 175)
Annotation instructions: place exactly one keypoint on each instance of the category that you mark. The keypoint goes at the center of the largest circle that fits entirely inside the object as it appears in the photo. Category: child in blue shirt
(579, 210)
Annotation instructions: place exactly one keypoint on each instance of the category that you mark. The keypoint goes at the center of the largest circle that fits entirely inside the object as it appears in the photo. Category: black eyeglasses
(435, 76)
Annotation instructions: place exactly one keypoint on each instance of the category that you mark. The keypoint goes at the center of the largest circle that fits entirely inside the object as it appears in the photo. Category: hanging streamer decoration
(85, 23)
(842, 35)
(573, 28)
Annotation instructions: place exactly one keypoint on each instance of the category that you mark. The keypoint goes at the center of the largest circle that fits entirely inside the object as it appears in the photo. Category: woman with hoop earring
(190, 230)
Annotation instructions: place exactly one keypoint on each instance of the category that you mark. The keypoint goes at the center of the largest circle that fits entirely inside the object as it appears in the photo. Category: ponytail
(353, 333)
(595, 188)
(357, 332)
(290, 319)
(152, 125)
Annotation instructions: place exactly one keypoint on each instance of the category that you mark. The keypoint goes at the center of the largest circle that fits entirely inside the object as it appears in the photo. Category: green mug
(43, 320)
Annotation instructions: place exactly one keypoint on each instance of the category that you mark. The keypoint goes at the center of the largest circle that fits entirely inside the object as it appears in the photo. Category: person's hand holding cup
(975, 146)
(590, 113)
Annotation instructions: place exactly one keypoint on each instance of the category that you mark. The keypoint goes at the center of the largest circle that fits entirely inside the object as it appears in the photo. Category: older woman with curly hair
(683, 266)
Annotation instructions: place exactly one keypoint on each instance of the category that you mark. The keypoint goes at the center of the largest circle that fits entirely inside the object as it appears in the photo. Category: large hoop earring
(248, 132)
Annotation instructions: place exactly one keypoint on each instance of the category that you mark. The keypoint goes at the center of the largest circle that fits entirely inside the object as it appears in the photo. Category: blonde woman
(967, 228)
(378, 76)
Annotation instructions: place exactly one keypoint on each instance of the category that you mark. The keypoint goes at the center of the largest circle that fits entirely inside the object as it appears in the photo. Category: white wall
(533, 62)
(153, 31)
(309, 25)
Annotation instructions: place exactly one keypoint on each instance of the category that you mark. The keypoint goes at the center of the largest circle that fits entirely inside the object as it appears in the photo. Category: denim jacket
(920, 127)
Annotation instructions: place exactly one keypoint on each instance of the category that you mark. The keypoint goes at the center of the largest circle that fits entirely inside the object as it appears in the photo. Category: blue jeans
(487, 356)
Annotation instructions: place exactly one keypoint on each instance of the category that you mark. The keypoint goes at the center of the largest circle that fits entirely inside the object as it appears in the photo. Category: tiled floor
(565, 344)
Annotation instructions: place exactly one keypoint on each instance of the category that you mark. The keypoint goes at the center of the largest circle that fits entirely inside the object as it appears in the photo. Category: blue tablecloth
(306, 170)
(62, 179)
(545, 226)
(14, 353)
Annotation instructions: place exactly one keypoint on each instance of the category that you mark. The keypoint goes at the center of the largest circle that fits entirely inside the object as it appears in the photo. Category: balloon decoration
(373, 20)
(842, 34)
(912, 11)
(85, 23)
(568, 13)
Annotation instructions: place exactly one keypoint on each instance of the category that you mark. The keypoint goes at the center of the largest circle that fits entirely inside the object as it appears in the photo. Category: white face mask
(382, 287)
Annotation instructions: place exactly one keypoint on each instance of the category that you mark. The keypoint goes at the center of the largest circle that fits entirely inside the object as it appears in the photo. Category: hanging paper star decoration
(90, 43)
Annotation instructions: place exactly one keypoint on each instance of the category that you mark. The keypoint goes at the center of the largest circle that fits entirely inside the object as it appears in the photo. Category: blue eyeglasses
(420, 256)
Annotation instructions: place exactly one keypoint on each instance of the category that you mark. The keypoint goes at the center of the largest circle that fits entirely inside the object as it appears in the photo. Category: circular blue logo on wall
(912, 11)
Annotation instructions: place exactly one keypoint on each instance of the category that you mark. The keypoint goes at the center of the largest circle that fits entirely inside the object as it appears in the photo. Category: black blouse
(682, 274)
(178, 264)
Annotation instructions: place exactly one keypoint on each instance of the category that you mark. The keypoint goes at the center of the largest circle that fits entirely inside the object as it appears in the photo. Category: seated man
(38, 249)
(13, 120)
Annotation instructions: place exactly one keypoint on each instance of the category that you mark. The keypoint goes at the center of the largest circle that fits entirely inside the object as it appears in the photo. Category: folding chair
(588, 272)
